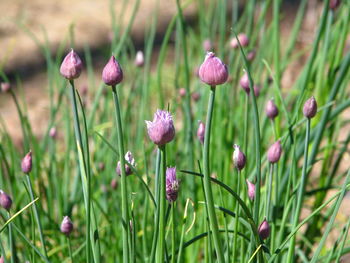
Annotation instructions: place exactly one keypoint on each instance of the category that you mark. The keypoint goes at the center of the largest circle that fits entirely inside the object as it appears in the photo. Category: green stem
(301, 192)
(37, 218)
(162, 206)
(207, 186)
(268, 194)
(11, 245)
(235, 235)
(70, 249)
(173, 230)
(125, 216)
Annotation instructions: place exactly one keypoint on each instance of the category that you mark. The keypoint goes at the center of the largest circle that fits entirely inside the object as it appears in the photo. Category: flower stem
(236, 219)
(173, 230)
(70, 249)
(301, 192)
(206, 180)
(268, 194)
(162, 200)
(11, 245)
(125, 216)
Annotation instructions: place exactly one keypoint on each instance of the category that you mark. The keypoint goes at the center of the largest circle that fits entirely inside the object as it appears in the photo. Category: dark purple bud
(213, 71)
(27, 163)
(139, 59)
(251, 55)
(5, 200)
(161, 130)
(71, 66)
(182, 92)
(130, 159)
(271, 109)
(334, 4)
(196, 96)
(310, 108)
(207, 45)
(245, 83)
(66, 226)
(201, 132)
(274, 152)
(53, 133)
(172, 184)
(114, 183)
(112, 73)
(239, 159)
(243, 39)
(5, 86)
(251, 190)
(264, 230)
(257, 89)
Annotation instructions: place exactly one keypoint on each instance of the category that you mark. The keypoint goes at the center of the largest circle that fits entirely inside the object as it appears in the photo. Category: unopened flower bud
(182, 92)
(172, 184)
(101, 166)
(274, 153)
(84, 90)
(244, 82)
(310, 108)
(251, 190)
(2, 260)
(5, 200)
(66, 226)
(130, 159)
(71, 66)
(114, 183)
(239, 159)
(139, 59)
(243, 39)
(264, 230)
(27, 163)
(334, 4)
(271, 109)
(257, 89)
(201, 132)
(213, 71)
(251, 55)
(53, 133)
(196, 96)
(161, 130)
(207, 45)
(5, 86)
(112, 73)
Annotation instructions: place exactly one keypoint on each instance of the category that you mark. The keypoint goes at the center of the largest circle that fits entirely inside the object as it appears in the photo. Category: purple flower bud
(172, 184)
(264, 230)
(251, 55)
(161, 130)
(112, 73)
(84, 90)
(53, 133)
(139, 59)
(251, 190)
(257, 89)
(243, 39)
(130, 159)
(274, 152)
(310, 108)
(182, 92)
(5, 86)
(66, 226)
(201, 132)
(271, 109)
(71, 66)
(196, 96)
(101, 166)
(238, 157)
(207, 45)
(27, 163)
(5, 200)
(213, 71)
(2, 259)
(114, 183)
(334, 4)
(245, 83)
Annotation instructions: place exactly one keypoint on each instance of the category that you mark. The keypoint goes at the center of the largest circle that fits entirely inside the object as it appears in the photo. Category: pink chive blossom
(130, 159)
(251, 55)
(244, 82)
(264, 230)
(243, 39)
(5, 86)
(274, 153)
(201, 132)
(182, 92)
(5, 200)
(66, 226)
(71, 66)
(271, 109)
(161, 130)
(207, 45)
(238, 157)
(112, 73)
(213, 71)
(53, 133)
(139, 59)
(310, 108)
(251, 190)
(334, 4)
(27, 163)
(172, 184)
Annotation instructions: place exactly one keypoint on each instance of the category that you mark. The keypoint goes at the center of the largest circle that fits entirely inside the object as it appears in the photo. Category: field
(220, 135)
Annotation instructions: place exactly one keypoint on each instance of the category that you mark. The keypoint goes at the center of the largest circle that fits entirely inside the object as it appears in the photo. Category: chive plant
(211, 208)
